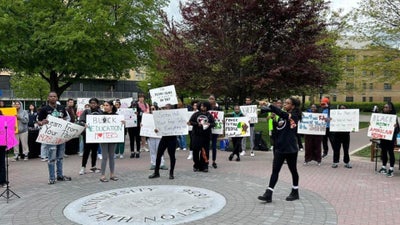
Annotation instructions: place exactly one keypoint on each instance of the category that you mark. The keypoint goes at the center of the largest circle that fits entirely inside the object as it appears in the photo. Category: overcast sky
(173, 8)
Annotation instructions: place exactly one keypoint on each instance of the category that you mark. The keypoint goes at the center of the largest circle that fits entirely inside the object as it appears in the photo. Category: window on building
(371, 73)
(350, 72)
(371, 99)
(349, 98)
(364, 73)
(335, 98)
(371, 86)
(364, 99)
(364, 86)
(387, 99)
(350, 58)
(387, 86)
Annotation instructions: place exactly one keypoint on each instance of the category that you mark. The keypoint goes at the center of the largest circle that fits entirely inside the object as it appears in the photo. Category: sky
(173, 8)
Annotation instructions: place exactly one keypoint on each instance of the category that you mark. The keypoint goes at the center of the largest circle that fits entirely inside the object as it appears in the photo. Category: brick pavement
(328, 196)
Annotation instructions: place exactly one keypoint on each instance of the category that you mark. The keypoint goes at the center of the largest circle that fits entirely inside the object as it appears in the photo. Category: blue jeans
(55, 153)
(182, 141)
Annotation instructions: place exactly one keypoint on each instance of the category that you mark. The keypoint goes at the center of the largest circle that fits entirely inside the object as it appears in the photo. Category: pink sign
(7, 131)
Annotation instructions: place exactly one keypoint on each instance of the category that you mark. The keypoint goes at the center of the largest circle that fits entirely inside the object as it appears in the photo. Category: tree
(66, 40)
(238, 48)
(29, 87)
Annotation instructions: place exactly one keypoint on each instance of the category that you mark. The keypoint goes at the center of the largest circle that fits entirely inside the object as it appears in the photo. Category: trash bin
(224, 144)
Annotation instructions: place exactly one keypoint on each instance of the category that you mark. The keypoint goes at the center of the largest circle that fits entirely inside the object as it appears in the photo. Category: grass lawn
(366, 152)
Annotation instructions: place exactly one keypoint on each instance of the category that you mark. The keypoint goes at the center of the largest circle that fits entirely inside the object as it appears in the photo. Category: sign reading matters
(164, 95)
(382, 126)
(58, 131)
(105, 129)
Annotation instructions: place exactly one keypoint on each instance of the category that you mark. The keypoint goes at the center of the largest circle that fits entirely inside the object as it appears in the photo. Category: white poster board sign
(164, 95)
(250, 111)
(58, 131)
(312, 124)
(80, 105)
(237, 127)
(382, 126)
(130, 116)
(148, 126)
(171, 122)
(190, 114)
(105, 129)
(126, 102)
(219, 122)
(344, 120)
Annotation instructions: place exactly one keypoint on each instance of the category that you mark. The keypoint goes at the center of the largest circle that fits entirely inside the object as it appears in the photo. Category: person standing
(248, 101)
(193, 108)
(312, 144)
(341, 139)
(134, 132)
(32, 114)
(237, 141)
(166, 143)
(89, 148)
(328, 135)
(285, 146)
(108, 149)
(214, 137)
(22, 135)
(153, 143)
(119, 150)
(55, 153)
(144, 108)
(202, 122)
(387, 146)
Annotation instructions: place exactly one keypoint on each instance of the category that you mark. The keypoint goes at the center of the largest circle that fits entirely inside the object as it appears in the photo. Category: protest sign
(219, 122)
(344, 120)
(250, 111)
(58, 131)
(80, 105)
(382, 126)
(11, 111)
(237, 127)
(312, 124)
(105, 129)
(126, 102)
(190, 114)
(164, 95)
(7, 131)
(171, 122)
(147, 126)
(130, 116)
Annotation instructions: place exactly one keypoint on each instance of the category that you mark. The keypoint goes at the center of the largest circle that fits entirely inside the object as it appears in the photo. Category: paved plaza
(327, 195)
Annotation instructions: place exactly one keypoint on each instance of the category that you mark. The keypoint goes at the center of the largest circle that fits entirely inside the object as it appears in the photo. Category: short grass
(366, 152)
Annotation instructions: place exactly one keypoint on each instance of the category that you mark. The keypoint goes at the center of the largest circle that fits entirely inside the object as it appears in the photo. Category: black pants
(341, 139)
(169, 143)
(201, 147)
(279, 158)
(387, 147)
(134, 135)
(90, 147)
(2, 165)
(237, 145)
(328, 135)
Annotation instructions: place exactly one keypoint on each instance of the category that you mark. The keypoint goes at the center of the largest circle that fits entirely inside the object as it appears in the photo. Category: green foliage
(32, 87)
(67, 40)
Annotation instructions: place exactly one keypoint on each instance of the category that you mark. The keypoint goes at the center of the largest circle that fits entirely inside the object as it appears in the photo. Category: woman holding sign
(285, 146)
(387, 146)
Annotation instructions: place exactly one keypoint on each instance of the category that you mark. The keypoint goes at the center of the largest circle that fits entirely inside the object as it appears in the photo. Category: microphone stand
(8, 193)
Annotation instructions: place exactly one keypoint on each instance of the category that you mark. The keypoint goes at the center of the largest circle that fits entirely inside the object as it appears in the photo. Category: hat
(325, 101)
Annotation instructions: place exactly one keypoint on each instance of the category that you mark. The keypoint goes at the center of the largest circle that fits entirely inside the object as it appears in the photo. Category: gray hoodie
(23, 119)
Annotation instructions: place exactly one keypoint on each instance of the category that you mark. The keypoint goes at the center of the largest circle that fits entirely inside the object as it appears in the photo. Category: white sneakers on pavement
(243, 153)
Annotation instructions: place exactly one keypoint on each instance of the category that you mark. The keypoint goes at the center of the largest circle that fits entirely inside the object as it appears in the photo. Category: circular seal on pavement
(161, 204)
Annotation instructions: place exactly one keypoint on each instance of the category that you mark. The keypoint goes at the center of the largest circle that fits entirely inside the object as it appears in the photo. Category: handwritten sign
(7, 131)
(190, 114)
(11, 111)
(171, 122)
(130, 116)
(237, 127)
(250, 111)
(105, 129)
(382, 126)
(164, 95)
(80, 105)
(58, 131)
(148, 126)
(312, 124)
(126, 102)
(219, 122)
(344, 120)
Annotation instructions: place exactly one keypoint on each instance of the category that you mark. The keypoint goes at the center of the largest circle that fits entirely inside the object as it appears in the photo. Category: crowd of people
(282, 120)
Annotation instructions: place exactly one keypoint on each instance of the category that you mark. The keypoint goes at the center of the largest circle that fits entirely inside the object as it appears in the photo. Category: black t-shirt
(58, 112)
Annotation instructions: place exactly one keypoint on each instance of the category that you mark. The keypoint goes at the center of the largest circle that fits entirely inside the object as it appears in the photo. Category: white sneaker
(116, 156)
(82, 171)
(178, 148)
(121, 156)
(44, 160)
(99, 156)
(190, 155)
(252, 154)
(243, 153)
(301, 149)
(80, 154)
(184, 149)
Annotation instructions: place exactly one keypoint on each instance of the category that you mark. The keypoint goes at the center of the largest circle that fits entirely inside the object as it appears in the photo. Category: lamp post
(320, 92)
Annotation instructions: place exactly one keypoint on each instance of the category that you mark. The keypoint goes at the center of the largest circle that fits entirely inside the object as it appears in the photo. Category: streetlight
(321, 91)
